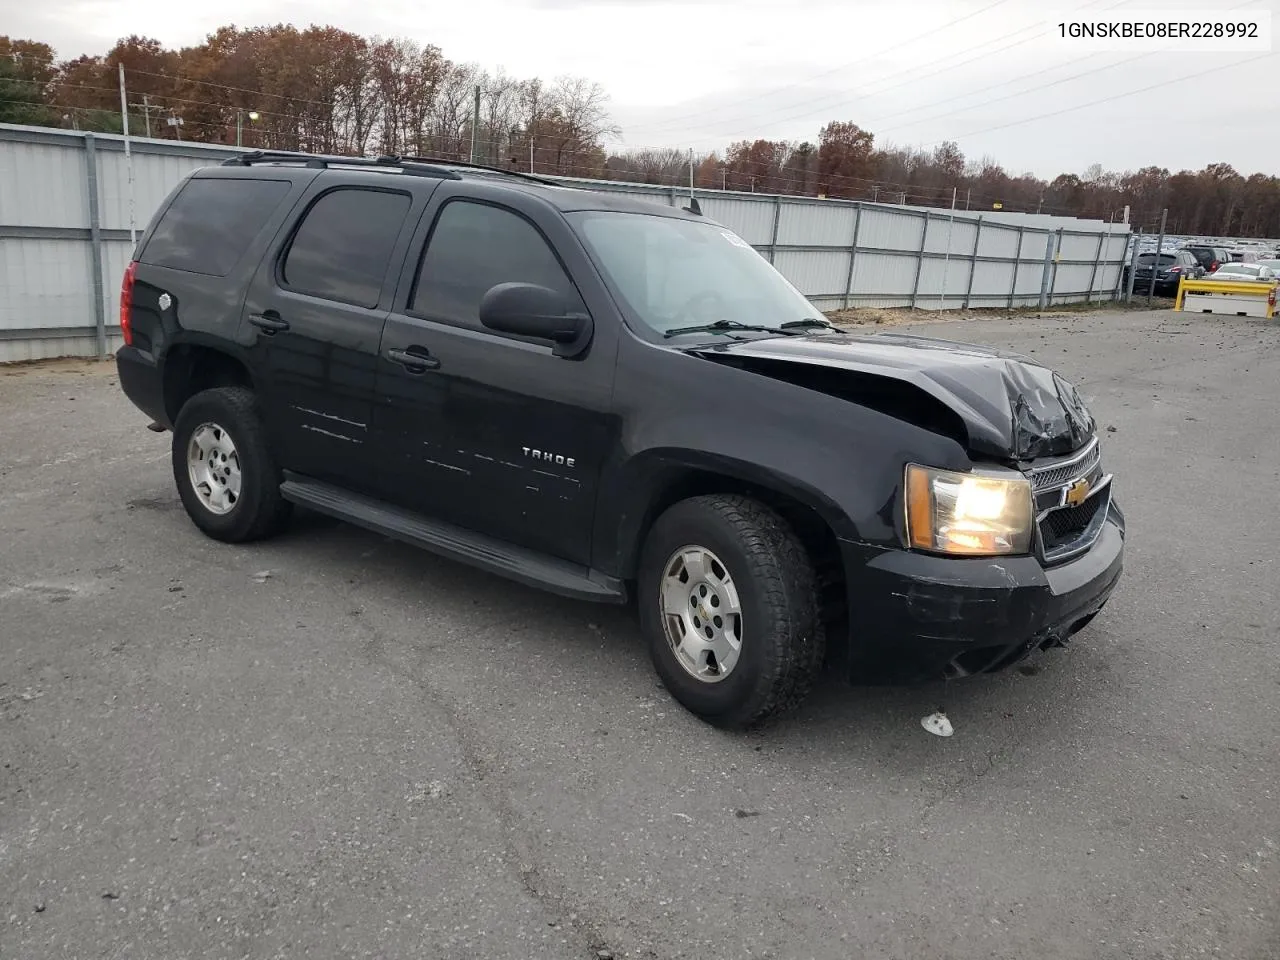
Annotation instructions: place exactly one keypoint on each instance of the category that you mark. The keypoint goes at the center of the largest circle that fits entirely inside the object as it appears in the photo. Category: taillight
(126, 302)
(1175, 269)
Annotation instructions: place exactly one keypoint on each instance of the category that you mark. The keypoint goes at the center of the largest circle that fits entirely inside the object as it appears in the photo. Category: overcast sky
(701, 73)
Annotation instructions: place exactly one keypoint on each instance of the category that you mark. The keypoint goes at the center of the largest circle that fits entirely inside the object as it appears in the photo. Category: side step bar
(487, 553)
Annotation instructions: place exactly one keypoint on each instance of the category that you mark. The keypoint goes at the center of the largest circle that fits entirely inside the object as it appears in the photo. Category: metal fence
(67, 204)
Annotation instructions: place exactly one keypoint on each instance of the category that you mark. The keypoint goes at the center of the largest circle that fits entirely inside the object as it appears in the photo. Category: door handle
(269, 322)
(415, 359)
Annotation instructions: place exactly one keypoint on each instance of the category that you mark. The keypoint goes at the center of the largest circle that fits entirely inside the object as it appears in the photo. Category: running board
(488, 553)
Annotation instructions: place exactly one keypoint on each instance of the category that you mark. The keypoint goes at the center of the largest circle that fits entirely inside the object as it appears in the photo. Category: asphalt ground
(332, 745)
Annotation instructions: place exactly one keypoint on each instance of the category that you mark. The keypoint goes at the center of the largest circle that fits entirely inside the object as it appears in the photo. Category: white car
(1244, 272)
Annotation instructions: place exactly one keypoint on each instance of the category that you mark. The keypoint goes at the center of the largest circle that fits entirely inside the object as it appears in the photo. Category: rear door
(313, 319)
(490, 431)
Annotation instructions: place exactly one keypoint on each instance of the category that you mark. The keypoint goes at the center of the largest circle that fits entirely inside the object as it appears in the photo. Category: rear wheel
(729, 605)
(223, 466)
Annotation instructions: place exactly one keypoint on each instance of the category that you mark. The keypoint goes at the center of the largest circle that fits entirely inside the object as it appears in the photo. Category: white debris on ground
(938, 724)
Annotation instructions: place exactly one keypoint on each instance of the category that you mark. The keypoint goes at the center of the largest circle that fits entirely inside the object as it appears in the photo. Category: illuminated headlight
(968, 514)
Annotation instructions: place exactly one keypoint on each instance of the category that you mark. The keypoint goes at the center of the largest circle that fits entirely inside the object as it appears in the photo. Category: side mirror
(530, 310)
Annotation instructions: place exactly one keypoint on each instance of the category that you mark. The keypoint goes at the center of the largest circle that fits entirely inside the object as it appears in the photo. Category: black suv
(1209, 258)
(612, 399)
(1167, 274)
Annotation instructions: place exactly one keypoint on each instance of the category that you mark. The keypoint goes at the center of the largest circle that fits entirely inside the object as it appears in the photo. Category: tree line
(322, 89)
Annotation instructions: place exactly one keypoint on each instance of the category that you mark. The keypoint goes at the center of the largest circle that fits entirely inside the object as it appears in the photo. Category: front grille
(1062, 528)
(1065, 531)
(1058, 475)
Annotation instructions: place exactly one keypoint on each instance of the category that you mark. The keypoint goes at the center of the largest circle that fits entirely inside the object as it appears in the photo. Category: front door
(489, 431)
(315, 313)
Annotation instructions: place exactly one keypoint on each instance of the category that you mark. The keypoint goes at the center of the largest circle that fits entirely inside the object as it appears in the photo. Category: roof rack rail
(322, 161)
(488, 168)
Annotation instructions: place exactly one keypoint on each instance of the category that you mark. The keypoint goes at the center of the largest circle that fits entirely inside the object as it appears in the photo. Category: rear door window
(342, 249)
(211, 222)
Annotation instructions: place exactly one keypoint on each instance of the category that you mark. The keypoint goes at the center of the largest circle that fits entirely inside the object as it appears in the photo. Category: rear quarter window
(211, 222)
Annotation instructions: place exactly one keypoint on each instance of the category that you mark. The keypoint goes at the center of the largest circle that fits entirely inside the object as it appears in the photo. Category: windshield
(1240, 269)
(676, 273)
(1166, 259)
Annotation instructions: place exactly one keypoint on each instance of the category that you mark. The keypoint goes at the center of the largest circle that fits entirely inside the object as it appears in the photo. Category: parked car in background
(1243, 272)
(1211, 258)
(1165, 274)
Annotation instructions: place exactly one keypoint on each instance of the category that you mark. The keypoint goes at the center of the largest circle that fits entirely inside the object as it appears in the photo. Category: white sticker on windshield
(736, 240)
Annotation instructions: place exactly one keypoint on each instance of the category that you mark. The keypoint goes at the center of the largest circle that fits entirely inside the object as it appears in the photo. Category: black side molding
(487, 553)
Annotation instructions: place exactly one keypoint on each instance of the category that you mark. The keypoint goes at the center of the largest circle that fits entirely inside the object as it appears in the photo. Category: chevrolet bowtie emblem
(1076, 493)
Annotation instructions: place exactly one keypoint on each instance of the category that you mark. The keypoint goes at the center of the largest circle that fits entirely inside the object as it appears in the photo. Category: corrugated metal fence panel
(942, 278)
(998, 241)
(992, 281)
(752, 220)
(882, 279)
(43, 185)
(888, 229)
(949, 234)
(827, 225)
(49, 284)
(814, 273)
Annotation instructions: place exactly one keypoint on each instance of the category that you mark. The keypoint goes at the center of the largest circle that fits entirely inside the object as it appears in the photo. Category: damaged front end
(982, 600)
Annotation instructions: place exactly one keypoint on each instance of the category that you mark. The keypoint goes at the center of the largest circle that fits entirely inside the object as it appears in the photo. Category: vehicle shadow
(869, 722)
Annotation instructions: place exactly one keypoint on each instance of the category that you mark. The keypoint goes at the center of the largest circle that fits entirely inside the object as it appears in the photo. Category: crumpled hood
(1011, 406)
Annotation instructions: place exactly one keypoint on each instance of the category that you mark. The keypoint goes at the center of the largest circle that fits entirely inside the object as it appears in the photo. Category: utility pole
(146, 111)
(1155, 263)
(145, 107)
(128, 153)
(475, 123)
(531, 150)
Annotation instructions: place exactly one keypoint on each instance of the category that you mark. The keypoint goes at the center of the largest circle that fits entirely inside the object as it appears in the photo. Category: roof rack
(322, 161)
(479, 167)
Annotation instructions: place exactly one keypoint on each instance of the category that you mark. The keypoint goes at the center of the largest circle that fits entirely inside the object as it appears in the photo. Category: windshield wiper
(809, 322)
(718, 326)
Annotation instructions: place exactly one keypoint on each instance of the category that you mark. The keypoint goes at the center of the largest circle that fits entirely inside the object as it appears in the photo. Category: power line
(1023, 91)
(1117, 96)
(844, 66)
(912, 75)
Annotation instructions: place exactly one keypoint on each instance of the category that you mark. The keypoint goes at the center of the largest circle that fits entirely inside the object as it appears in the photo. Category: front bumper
(915, 617)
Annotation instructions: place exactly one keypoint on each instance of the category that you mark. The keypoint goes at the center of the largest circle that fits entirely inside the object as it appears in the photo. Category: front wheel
(223, 466)
(729, 606)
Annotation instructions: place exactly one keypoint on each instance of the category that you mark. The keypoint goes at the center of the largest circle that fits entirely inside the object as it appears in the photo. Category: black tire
(259, 511)
(782, 644)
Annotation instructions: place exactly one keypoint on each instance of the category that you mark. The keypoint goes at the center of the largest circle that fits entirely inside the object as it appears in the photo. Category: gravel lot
(331, 745)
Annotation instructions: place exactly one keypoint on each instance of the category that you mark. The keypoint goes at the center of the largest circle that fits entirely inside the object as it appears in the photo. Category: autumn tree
(26, 72)
(844, 158)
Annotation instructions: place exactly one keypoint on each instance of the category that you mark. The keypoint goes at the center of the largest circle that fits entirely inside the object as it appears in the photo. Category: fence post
(1017, 264)
(973, 263)
(95, 242)
(924, 237)
(1093, 274)
(1057, 257)
(777, 217)
(671, 196)
(1048, 269)
(853, 253)
(1133, 266)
